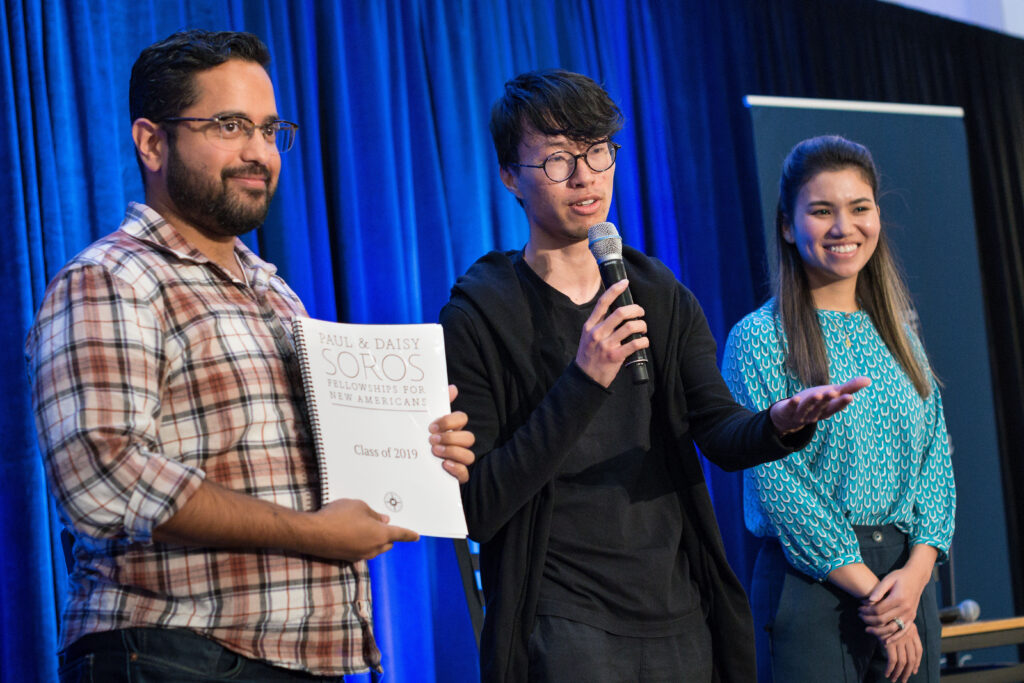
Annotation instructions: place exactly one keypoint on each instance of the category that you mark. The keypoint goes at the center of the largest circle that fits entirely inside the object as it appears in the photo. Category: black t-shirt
(613, 559)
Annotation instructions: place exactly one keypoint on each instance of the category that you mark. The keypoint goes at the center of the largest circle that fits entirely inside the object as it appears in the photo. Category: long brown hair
(880, 290)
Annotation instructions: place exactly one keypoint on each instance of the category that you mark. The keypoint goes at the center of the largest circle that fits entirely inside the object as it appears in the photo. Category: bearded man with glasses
(600, 556)
(170, 411)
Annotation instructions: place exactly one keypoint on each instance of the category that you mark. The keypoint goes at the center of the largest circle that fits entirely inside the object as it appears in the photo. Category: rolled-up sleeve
(96, 356)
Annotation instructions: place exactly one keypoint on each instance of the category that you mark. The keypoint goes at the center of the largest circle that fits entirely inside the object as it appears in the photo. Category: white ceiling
(999, 15)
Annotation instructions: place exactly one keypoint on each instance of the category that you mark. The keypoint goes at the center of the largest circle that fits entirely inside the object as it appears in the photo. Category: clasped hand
(904, 655)
(896, 597)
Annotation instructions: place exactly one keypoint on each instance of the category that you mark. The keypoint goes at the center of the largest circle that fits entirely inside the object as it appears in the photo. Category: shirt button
(876, 536)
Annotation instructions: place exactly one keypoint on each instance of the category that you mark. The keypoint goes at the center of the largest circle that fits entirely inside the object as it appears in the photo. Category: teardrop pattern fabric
(885, 459)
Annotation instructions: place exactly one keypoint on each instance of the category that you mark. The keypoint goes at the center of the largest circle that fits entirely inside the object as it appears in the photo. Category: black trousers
(565, 650)
(811, 631)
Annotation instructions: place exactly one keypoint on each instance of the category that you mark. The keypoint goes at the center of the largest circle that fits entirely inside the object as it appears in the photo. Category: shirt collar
(145, 224)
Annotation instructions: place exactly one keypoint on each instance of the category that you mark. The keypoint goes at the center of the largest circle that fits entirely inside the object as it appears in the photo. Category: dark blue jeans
(809, 631)
(151, 655)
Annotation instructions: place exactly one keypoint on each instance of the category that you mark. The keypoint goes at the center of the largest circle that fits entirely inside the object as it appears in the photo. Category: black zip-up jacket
(525, 423)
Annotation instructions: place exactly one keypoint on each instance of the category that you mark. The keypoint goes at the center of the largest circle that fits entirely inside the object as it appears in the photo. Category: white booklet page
(372, 392)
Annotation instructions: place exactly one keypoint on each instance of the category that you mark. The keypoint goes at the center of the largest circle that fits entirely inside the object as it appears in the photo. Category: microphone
(606, 246)
(966, 611)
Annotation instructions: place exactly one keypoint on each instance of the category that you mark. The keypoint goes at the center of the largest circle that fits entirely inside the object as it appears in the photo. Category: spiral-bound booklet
(372, 392)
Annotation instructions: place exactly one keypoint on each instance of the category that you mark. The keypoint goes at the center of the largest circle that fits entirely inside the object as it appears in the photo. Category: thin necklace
(847, 342)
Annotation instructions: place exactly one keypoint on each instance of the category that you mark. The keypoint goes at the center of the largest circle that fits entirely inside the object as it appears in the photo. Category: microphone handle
(612, 271)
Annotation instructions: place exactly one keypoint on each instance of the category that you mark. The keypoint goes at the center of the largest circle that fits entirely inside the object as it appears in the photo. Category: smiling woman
(868, 505)
(834, 225)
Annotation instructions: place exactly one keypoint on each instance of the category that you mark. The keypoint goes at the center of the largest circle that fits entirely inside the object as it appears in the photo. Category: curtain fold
(392, 191)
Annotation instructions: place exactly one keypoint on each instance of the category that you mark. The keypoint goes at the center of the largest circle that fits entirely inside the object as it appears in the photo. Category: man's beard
(212, 207)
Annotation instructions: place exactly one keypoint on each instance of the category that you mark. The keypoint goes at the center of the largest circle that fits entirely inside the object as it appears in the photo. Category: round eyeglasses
(560, 166)
(232, 133)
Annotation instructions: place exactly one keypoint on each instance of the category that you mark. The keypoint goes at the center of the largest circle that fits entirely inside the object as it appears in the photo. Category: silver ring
(899, 624)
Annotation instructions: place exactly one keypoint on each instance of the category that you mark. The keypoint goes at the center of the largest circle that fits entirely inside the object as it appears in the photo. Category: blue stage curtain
(392, 191)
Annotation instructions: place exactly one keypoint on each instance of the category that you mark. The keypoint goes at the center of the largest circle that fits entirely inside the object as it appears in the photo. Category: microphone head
(969, 610)
(605, 243)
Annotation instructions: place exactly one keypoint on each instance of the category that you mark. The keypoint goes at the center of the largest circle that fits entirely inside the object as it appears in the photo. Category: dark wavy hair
(162, 82)
(881, 291)
(552, 102)
(163, 77)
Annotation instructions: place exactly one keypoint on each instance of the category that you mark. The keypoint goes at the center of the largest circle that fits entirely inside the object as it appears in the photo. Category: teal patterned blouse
(882, 460)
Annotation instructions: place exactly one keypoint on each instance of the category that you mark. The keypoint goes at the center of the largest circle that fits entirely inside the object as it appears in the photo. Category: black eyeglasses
(560, 166)
(231, 133)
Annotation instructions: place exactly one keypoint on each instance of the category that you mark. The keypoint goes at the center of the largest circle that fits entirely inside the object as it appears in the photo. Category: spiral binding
(311, 409)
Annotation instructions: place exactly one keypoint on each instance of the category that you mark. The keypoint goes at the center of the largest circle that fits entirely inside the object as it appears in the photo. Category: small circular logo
(393, 501)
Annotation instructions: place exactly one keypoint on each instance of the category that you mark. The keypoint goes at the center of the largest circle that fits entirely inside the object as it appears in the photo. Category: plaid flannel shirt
(152, 369)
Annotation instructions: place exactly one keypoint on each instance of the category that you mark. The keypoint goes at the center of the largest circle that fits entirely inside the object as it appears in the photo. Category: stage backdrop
(927, 211)
(392, 191)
